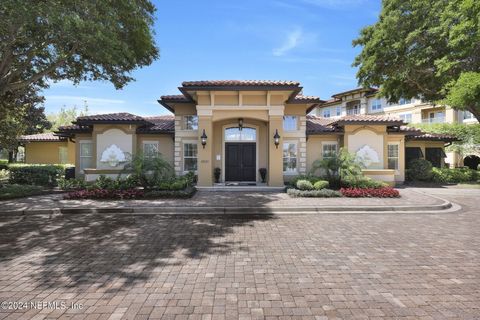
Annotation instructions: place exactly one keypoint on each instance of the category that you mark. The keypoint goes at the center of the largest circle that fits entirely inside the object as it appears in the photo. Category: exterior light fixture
(204, 139)
(240, 124)
(276, 138)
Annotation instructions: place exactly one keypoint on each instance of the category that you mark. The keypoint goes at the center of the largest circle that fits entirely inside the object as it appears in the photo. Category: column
(275, 155)
(205, 154)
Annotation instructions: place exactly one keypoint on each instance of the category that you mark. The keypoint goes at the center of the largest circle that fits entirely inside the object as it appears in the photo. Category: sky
(309, 41)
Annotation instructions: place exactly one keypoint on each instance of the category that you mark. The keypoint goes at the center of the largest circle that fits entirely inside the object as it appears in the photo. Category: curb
(444, 207)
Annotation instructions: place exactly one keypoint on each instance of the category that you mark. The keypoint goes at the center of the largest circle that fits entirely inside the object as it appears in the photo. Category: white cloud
(293, 39)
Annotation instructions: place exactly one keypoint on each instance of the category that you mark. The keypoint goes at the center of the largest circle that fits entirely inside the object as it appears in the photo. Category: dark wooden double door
(240, 161)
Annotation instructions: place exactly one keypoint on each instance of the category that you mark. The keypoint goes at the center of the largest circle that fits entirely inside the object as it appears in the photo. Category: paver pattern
(402, 266)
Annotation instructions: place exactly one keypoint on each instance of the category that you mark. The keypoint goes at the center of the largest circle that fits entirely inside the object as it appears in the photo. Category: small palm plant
(341, 166)
(148, 170)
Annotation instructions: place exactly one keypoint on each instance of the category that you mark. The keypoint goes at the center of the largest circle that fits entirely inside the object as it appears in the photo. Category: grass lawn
(12, 191)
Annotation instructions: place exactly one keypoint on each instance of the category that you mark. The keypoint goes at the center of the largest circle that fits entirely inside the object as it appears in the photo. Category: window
(235, 134)
(289, 157)
(63, 154)
(377, 105)
(467, 115)
(86, 155)
(326, 113)
(150, 148)
(406, 117)
(191, 122)
(189, 157)
(339, 111)
(393, 156)
(289, 123)
(403, 101)
(329, 150)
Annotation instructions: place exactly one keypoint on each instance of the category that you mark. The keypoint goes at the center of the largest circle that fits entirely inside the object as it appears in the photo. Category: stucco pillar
(205, 155)
(275, 155)
(451, 115)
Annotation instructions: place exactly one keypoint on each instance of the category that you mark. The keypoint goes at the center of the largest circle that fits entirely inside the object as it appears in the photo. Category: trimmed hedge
(12, 191)
(304, 185)
(178, 194)
(363, 183)
(321, 184)
(457, 175)
(36, 174)
(324, 193)
(3, 164)
(420, 169)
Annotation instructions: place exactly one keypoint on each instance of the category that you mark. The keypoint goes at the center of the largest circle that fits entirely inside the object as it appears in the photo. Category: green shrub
(293, 181)
(4, 174)
(71, 184)
(119, 183)
(457, 175)
(324, 193)
(420, 170)
(363, 183)
(3, 164)
(36, 174)
(12, 191)
(321, 184)
(304, 185)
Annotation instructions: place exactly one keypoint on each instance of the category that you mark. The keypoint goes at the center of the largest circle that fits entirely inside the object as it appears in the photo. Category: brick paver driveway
(414, 266)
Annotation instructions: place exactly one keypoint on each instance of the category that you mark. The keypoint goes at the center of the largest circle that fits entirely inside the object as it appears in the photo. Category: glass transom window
(235, 134)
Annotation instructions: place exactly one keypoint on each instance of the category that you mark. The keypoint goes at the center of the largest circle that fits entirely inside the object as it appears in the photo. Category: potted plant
(216, 174)
(263, 174)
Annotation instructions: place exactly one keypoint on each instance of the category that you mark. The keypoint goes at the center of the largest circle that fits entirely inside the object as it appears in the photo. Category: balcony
(351, 112)
(436, 119)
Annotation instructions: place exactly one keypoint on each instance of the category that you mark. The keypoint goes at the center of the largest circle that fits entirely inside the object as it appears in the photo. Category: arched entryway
(471, 161)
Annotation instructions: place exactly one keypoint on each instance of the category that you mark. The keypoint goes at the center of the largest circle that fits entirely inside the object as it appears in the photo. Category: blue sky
(303, 40)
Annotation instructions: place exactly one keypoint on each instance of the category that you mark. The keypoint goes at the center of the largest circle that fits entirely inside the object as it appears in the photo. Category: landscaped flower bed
(384, 192)
(105, 194)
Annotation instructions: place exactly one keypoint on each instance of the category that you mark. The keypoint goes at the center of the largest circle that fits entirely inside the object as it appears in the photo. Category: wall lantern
(276, 138)
(204, 139)
(240, 124)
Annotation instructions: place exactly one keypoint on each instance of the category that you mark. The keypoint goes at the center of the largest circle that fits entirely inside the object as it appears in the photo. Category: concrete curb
(444, 207)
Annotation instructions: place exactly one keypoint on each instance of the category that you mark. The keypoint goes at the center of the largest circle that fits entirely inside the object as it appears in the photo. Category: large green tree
(424, 48)
(26, 116)
(76, 40)
(66, 116)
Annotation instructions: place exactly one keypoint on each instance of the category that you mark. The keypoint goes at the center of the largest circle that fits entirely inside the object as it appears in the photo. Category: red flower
(385, 192)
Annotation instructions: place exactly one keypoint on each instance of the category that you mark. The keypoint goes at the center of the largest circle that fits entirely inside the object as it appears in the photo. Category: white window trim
(80, 152)
(184, 142)
(397, 170)
(296, 123)
(288, 173)
(329, 143)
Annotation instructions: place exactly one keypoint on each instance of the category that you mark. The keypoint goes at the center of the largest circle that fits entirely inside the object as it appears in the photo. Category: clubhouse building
(239, 127)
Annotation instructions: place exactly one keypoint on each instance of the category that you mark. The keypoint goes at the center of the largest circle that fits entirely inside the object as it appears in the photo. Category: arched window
(235, 134)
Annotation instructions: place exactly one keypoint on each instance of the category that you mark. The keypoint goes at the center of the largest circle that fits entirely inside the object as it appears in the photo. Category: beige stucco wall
(358, 136)
(42, 152)
(165, 144)
(400, 140)
(105, 136)
(315, 147)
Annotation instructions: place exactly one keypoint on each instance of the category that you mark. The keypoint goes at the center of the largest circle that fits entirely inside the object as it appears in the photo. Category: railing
(351, 112)
(434, 120)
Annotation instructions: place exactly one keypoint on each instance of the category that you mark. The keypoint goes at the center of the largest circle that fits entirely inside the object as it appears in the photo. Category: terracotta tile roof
(45, 137)
(73, 129)
(241, 83)
(369, 90)
(305, 99)
(316, 125)
(432, 137)
(175, 98)
(367, 118)
(115, 117)
(161, 124)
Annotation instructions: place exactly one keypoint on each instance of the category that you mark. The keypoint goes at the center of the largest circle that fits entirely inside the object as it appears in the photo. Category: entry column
(275, 154)
(205, 154)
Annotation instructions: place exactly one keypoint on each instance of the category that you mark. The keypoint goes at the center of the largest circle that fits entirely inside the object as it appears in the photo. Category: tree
(28, 118)
(74, 40)
(424, 48)
(66, 116)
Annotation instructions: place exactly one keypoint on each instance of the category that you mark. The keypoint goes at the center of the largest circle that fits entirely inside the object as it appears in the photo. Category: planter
(263, 174)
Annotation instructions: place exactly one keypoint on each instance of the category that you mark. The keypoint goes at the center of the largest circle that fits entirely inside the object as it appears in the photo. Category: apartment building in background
(364, 101)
